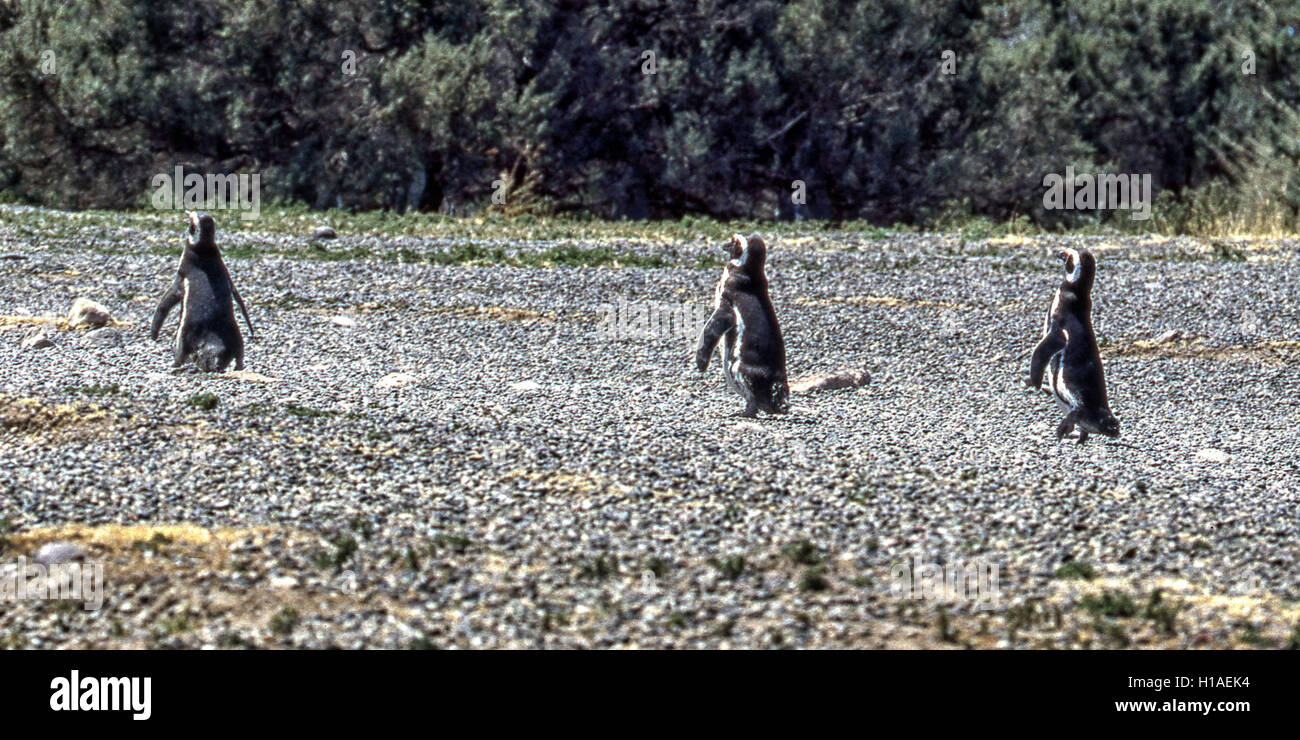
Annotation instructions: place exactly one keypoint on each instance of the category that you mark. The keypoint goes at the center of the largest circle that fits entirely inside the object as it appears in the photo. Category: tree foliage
(407, 104)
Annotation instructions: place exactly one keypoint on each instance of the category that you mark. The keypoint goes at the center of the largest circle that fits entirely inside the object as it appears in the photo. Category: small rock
(346, 322)
(37, 341)
(1172, 335)
(85, 312)
(525, 386)
(396, 380)
(106, 337)
(58, 552)
(324, 232)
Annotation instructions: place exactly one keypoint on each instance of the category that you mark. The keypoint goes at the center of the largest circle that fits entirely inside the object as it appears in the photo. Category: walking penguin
(753, 353)
(208, 331)
(1068, 352)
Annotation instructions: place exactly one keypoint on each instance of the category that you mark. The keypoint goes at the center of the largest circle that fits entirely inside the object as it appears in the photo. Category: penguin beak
(1063, 255)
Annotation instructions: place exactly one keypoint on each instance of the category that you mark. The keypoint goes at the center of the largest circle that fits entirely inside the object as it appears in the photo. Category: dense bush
(434, 106)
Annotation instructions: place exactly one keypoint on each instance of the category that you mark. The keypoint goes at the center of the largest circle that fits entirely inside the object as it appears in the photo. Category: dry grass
(31, 416)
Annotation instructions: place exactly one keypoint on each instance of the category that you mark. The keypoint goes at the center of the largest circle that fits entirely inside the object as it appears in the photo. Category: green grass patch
(306, 412)
(1076, 570)
(284, 621)
(91, 390)
(204, 401)
(598, 568)
(1109, 604)
(802, 552)
(814, 579)
(731, 567)
(155, 544)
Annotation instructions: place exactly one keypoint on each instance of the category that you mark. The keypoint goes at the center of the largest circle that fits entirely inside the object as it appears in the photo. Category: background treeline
(425, 105)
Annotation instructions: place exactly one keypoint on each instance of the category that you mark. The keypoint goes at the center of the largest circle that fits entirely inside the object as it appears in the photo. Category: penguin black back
(1068, 349)
(754, 353)
(208, 330)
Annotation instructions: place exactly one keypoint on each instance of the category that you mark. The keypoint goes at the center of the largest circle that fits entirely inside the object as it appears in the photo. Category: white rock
(346, 322)
(85, 312)
(284, 582)
(396, 380)
(1169, 336)
(58, 552)
(1212, 455)
(324, 232)
(526, 386)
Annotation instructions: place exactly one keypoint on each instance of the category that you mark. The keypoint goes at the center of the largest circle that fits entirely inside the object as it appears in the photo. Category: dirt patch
(1270, 353)
(873, 300)
(562, 483)
(497, 313)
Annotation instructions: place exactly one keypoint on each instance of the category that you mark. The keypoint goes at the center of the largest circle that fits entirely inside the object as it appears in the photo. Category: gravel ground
(427, 455)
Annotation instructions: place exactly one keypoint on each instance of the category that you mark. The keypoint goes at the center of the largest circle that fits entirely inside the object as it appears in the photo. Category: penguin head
(1108, 424)
(781, 397)
(1080, 266)
(203, 229)
(736, 247)
(749, 254)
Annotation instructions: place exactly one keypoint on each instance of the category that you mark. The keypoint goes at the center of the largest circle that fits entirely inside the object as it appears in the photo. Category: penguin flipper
(240, 300)
(168, 302)
(722, 321)
(1052, 342)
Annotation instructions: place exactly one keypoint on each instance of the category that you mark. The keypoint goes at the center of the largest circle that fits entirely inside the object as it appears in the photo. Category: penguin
(208, 330)
(743, 317)
(1068, 352)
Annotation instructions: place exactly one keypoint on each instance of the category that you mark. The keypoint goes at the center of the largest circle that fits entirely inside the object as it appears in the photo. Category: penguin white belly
(185, 312)
(1060, 388)
(733, 360)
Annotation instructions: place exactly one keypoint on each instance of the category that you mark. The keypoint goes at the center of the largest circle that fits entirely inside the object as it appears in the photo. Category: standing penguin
(1068, 350)
(754, 351)
(208, 330)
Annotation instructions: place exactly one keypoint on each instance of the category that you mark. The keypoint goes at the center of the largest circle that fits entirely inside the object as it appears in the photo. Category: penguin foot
(1066, 426)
